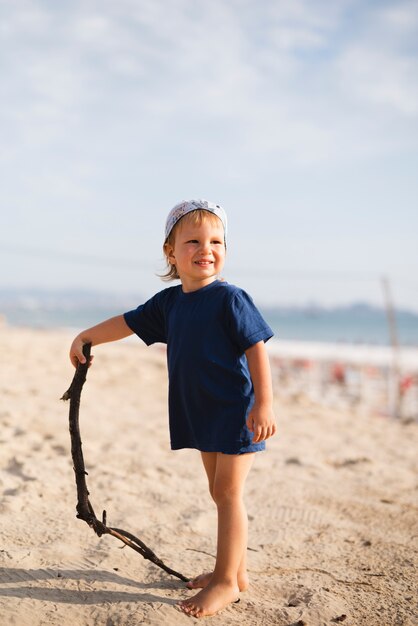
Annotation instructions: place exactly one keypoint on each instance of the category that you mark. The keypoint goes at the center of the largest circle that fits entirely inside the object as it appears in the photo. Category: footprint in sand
(10, 492)
(301, 597)
(60, 450)
(15, 468)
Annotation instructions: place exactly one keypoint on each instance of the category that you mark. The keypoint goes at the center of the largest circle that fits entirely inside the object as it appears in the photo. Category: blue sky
(298, 116)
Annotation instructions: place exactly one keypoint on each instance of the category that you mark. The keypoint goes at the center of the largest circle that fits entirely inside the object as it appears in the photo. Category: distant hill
(67, 307)
(358, 322)
(65, 298)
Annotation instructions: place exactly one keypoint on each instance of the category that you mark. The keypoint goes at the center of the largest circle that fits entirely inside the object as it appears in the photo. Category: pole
(394, 375)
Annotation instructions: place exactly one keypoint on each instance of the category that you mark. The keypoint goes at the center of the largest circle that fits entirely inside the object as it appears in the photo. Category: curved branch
(84, 508)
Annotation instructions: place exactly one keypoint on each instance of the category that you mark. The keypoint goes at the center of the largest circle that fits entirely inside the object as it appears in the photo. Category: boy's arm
(110, 330)
(261, 420)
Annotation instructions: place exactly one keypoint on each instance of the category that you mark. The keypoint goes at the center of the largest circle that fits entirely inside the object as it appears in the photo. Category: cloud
(380, 79)
(292, 80)
(378, 67)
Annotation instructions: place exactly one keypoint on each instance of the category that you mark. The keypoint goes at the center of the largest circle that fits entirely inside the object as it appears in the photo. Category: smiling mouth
(203, 262)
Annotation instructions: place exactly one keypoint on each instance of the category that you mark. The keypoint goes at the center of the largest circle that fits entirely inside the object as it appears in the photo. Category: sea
(358, 323)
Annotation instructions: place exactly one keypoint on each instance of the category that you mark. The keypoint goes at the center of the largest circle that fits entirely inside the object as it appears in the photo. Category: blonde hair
(196, 218)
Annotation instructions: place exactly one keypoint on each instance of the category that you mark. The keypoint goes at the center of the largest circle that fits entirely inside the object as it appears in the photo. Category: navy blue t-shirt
(210, 390)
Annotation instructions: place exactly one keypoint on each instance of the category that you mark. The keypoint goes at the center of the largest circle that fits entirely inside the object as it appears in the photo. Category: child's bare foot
(201, 581)
(211, 600)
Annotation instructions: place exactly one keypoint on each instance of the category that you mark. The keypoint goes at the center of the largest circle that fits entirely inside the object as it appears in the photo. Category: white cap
(181, 209)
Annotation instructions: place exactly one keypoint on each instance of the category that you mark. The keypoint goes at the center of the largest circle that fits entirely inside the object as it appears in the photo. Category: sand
(332, 503)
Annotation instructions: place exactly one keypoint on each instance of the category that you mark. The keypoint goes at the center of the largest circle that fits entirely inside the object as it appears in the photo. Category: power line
(304, 274)
(89, 259)
(135, 264)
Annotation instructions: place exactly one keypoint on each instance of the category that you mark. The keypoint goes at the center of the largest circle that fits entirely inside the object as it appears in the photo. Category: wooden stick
(84, 508)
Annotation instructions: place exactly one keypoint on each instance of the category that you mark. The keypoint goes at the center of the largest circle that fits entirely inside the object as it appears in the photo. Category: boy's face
(198, 253)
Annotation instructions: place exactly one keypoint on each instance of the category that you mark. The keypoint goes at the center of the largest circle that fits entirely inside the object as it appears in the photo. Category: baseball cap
(181, 209)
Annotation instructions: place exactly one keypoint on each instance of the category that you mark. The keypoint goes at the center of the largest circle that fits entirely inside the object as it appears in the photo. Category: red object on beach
(338, 373)
(406, 383)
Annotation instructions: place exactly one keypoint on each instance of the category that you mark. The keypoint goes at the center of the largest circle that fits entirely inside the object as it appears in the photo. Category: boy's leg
(228, 486)
(209, 460)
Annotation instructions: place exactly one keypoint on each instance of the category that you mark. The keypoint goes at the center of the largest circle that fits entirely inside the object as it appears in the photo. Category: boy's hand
(76, 352)
(262, 423)
(261, 420)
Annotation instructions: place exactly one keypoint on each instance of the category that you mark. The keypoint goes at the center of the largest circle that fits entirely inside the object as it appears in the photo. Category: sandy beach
(332, 503)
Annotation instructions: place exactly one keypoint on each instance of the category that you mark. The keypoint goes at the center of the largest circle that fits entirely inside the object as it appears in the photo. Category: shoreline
(354, 353)
(350, 353)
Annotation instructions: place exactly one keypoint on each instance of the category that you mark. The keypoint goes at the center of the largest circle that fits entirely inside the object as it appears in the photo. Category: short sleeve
(246, 324)
(148, 320)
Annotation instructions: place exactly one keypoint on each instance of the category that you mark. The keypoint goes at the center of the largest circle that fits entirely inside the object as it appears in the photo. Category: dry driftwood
(84, 508)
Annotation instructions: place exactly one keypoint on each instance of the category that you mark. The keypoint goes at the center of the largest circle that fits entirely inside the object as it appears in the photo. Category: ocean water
(354, 325)
(358, 324)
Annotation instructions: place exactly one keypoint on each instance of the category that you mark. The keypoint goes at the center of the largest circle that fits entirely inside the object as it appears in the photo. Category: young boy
(220, 392)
